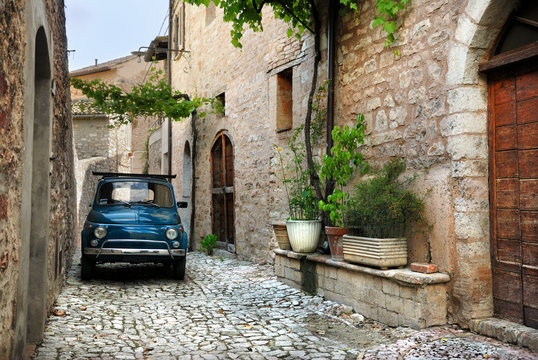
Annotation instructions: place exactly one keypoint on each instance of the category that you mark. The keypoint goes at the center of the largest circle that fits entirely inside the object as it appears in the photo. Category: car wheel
(179, 269)
(88, 267)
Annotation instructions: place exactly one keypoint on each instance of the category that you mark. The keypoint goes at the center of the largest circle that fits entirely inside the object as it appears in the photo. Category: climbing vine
(152, 98)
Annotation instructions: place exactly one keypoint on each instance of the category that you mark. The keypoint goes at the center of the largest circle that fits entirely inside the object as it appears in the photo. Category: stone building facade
(100, 147)
(36, 168)
(428, 104)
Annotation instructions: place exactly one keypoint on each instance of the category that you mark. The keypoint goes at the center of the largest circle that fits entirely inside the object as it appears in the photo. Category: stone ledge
(396, 297)
(506, 331)
(402, 275)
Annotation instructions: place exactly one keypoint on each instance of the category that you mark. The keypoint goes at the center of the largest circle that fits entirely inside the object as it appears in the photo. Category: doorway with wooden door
(222, 191)
(513, 146)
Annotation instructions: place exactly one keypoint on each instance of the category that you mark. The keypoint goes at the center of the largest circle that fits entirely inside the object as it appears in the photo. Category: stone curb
(506, 331)
(404, 275)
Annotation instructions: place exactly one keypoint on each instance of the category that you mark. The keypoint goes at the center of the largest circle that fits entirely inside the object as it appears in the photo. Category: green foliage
(153, 98)
(302, 201)
(145, 170)
(344, 159)
(209, 243)
(387, 11)
(298, 14)
(383, 206)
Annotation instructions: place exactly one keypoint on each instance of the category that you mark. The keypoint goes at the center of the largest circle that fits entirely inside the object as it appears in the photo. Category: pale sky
(110, 29)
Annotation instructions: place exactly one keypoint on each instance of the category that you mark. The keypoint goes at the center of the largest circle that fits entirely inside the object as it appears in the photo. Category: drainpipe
(331, 41)
(169, 76)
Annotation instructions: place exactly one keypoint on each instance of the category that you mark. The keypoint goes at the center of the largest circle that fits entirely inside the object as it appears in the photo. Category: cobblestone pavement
(227, 309)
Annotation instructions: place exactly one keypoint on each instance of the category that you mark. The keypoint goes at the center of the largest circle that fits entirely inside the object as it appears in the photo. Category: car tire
(178, 269)
(87, 269)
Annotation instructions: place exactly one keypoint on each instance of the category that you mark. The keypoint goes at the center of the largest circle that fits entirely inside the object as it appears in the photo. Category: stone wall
(427, 104)
(242, 75)
(29, 26)
(11, 117)
(396, 297)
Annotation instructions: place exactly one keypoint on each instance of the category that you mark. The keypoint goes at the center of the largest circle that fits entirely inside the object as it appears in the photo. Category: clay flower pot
(334, 234)
(281, 235)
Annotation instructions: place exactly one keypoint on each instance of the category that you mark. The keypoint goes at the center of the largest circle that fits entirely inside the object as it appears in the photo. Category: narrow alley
(229, 309)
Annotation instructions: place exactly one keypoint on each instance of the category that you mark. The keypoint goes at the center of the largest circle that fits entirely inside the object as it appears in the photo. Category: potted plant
(281, 235)
(380, 212)
(303, 225)
(338, 168)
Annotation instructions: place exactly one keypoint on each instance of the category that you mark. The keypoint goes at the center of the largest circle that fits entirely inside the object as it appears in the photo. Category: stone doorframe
(31, 307)
(467, 145)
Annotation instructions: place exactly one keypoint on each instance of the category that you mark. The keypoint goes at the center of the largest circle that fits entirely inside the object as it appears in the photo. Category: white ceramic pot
(303, 235)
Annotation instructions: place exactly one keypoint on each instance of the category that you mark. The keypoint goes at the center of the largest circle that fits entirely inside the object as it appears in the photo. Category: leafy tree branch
(153, 98)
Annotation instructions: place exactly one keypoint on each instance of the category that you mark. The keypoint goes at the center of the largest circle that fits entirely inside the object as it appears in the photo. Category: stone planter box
(378, 252)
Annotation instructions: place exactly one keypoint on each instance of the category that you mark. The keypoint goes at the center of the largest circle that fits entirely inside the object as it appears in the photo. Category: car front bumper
(125, 249)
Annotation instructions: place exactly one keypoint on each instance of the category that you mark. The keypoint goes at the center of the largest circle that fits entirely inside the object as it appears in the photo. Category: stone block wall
(394, 297)
(243, 76)
(12, 48)
(427, 104)
(26, 23)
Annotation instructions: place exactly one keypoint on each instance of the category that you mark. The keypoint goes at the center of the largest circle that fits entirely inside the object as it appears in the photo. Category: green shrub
(208, 244)
(382, 206)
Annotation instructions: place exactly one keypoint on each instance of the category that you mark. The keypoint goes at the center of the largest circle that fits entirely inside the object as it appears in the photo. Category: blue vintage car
(134, 218)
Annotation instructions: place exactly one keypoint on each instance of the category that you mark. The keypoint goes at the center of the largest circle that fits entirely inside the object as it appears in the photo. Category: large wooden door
(222, 169)
(513, 141)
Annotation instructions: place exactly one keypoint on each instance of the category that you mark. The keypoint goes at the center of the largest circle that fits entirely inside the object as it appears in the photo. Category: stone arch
(465, 129)
(40, 190)
(478, 27)
(186, 213)
(187, 170)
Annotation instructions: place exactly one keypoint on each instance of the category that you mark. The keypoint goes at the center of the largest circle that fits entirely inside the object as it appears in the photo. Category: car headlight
(171, 233)
(175, 244)
(94, 243)
(100, 232)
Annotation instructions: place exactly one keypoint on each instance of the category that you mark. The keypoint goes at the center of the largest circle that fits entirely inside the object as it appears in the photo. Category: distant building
(99, 144)
(37, 185)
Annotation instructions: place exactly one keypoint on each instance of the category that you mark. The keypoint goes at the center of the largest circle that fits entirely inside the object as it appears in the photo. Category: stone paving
(228, 309)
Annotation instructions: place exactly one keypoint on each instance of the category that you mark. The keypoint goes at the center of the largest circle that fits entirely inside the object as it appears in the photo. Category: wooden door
(513, 141)
(222, 170)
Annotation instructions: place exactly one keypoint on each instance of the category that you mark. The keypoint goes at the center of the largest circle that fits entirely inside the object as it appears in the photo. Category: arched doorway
(513, 145)
(222, 190)
(187, 188)
(40, 192)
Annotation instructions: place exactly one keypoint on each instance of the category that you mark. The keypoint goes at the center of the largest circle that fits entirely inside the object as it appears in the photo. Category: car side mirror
(182, 204)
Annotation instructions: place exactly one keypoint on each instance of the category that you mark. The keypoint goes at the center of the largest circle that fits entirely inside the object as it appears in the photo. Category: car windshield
(135, 193)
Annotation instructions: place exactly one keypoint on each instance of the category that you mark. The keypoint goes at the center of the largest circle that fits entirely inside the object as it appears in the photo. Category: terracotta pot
(334, 234)
(304, 235)
(282, 236)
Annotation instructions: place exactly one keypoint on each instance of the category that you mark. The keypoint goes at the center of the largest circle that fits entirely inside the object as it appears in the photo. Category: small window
(221, 98)
(521, 30)
(179, 28)
(284, 100)
(210, 13)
